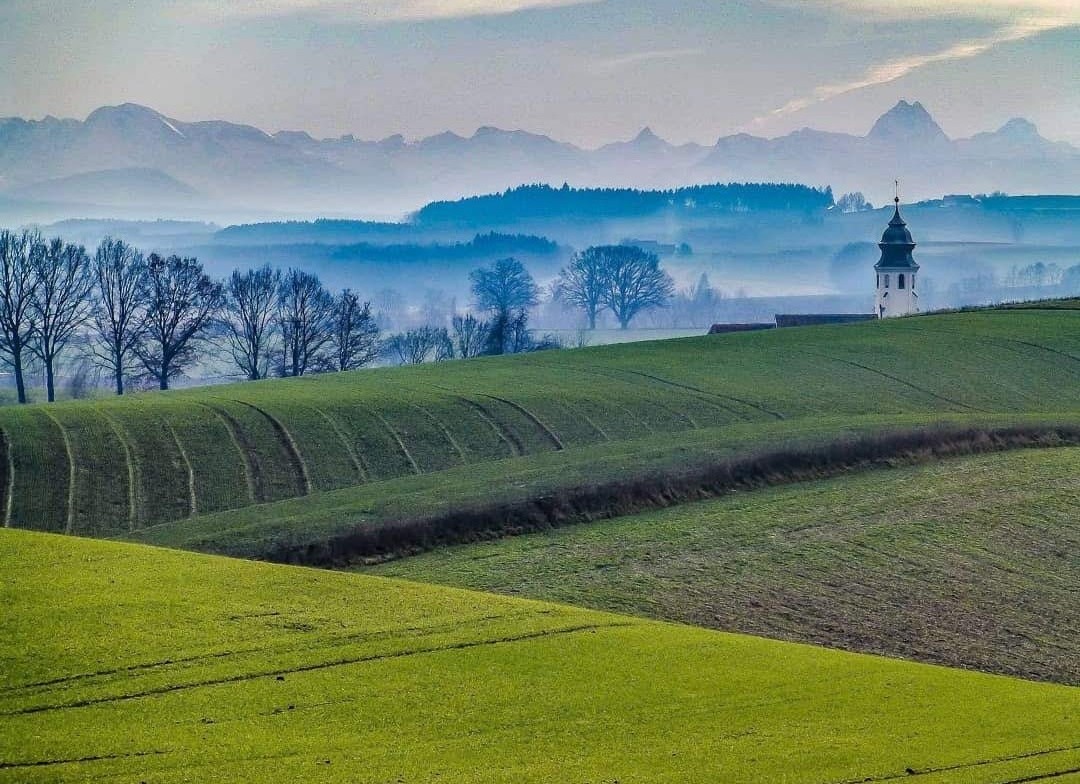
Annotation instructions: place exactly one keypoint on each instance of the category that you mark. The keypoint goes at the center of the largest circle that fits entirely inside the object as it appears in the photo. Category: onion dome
(896, 244)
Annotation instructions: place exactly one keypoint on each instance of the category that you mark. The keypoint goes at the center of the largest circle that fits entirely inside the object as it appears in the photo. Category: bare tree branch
(250, 316)
(119, 312)
(306, 321)
(181, 302)
(19, 260)
(61, 303)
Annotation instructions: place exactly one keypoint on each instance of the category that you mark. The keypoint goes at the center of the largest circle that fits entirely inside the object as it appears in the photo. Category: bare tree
(181, 303)
(306, 320)
(61, 303)
(506, 290)
(120, 313)
(444, 346)
(635, 283)
(504, 287)
(356, 335)
(582, 283)
(249, 316)
(470, 336)
(418, 345)
(19, 254)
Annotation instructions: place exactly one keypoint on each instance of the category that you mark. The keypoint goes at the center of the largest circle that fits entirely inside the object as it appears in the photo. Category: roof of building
(896, 244)
(812, 319)
(720, 329)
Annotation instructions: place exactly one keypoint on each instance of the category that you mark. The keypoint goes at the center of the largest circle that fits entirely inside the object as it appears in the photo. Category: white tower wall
(897, 294)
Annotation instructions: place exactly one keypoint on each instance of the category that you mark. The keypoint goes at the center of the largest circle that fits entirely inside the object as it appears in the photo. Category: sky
(584, 71)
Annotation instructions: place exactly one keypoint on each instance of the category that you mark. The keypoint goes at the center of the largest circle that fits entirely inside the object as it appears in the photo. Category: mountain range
(132, 161)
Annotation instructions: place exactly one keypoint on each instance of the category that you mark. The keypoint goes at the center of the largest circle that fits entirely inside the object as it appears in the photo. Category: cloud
(372, 11)
(619, 62)
(891, 70)
(1064, 11)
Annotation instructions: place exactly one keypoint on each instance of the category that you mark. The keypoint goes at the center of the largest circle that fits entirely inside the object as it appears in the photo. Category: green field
(113, 467)
(303, 529)
(124, 663)
(969, 562)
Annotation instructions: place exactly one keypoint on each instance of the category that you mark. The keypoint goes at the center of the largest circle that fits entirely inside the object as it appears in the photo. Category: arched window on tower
(886, 280)
(900, 281)
(879, 280)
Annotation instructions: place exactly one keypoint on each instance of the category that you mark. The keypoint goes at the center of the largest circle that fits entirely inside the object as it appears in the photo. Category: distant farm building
(814, 319)
(720, 329)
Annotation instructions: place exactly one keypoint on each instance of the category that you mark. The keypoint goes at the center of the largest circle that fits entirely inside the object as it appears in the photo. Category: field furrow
(41, 471)
(290, 437)
(163, 479)
(100, 502)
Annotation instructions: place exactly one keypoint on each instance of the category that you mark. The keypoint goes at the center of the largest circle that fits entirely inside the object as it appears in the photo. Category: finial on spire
(896, 198)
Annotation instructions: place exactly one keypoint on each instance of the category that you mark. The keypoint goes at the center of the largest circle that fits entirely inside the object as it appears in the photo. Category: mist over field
(533, 391)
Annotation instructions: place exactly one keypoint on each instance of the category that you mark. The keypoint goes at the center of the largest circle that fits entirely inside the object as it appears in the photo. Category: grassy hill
(969, 562)
(131, 664)
(114, 467)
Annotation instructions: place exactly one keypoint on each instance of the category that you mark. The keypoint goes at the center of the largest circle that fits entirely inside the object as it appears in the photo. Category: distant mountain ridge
(133, 156)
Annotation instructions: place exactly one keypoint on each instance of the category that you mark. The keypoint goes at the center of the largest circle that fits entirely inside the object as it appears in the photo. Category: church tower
(896, 269)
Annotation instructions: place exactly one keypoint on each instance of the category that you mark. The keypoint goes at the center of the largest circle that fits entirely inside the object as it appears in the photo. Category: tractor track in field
(256, 483)
(899, 380)
(612, 375)
(193, 503)
(76, 760)
(584, 417)
(445, 431)
(993, 341)
(132, 469)
(343, 662)
(517, 449)
(915, 772)
(69, 525)
(357, 461)
(397, 439)
(704, 395)
(288, 443)
(334, 641)
(633, 417)
(707, 393)
(547, 431)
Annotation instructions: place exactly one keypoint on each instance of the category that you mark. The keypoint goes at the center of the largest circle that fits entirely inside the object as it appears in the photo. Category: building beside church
(896, 270)
(896, 291)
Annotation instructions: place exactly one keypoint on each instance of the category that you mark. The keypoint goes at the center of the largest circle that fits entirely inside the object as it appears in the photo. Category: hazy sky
(587, 71)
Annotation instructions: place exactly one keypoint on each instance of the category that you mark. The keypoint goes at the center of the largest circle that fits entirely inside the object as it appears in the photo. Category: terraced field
(110, 468)
(970, 562)
(124, 663)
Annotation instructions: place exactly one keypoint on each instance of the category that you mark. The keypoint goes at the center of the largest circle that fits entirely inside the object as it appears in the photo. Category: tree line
(545, 201)
(151, 317)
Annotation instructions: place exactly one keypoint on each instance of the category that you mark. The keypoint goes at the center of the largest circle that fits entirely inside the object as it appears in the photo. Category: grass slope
(969, 562)
(107, 467)
(391, 518)
(130, 664)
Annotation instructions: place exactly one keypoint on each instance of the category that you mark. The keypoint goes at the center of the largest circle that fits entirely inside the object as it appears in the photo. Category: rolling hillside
(969, 562)
(114, 467)
(130, 664)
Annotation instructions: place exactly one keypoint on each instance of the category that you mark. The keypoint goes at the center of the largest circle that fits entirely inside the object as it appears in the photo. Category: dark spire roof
(896, 243)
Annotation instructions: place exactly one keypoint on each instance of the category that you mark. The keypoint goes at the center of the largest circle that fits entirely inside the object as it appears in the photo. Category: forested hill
(529, 202)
